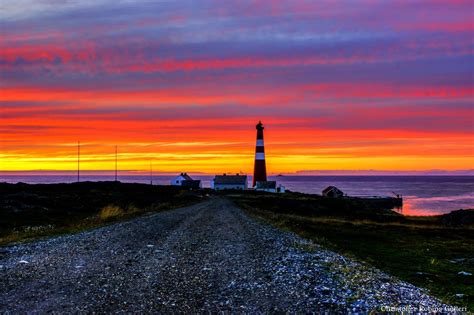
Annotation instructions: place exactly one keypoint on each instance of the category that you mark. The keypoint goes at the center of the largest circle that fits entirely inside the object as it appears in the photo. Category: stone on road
(206, 257)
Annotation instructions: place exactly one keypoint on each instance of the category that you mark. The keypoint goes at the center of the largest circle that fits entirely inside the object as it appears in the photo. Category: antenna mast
(78, 158)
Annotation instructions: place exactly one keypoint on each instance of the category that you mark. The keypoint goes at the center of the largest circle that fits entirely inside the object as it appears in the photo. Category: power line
(151, 173)
(78, 159)
(115, 163)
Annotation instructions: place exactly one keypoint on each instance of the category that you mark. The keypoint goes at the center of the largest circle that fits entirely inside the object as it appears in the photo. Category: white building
(269, 186)
(178, 180)
(237, 181)
(184, 180)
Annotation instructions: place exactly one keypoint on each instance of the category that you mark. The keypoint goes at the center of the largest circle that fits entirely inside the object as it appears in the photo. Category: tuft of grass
(133, 209)
(110, 211)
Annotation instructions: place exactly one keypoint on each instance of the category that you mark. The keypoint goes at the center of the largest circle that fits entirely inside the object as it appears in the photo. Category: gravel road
(206, 257)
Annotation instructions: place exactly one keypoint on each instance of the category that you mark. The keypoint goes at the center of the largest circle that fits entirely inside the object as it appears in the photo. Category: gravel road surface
(206, 257)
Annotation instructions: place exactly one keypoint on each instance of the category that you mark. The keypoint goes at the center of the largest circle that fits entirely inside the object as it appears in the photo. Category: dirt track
(209, 256)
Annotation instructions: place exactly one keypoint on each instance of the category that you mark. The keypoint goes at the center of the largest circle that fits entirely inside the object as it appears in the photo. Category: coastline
(423, 195)
(426, 251)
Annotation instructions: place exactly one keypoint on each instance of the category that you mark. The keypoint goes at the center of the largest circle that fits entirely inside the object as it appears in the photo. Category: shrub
(133, 209)
(110, 211)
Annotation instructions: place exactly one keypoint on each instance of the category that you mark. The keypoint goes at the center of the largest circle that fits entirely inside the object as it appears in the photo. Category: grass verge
(421, 251)
(29, 212)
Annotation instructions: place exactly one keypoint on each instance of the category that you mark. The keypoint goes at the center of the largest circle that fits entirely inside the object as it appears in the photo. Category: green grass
(29, 212)
(417, 250)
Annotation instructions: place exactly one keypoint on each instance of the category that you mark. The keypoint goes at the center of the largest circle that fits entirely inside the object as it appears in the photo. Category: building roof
(329, 188)
(266, 185)
(230, 179)
(185, 176)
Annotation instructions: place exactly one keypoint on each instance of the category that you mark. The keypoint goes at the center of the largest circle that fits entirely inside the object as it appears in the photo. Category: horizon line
(433, 172)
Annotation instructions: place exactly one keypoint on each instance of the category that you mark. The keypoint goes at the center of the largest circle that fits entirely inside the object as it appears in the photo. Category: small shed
(269, 186)
(237, 181)
(178, 180)
(333, 192)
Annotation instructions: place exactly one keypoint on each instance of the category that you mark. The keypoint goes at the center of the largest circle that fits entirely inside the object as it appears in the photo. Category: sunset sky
(339, 85)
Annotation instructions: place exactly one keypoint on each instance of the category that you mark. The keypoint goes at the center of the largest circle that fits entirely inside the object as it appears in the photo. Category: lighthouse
(260, 169)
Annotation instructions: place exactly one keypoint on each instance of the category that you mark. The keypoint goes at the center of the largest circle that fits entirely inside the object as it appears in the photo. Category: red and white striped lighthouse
(260, 169)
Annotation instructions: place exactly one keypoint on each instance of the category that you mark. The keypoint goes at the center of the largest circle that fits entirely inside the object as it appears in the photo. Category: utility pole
(151, 173)
(78, 159)
(115, 163)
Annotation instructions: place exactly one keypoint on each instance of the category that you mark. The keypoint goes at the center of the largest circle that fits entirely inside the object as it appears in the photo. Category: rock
(420, 273)
(464, 273)
(325, 290)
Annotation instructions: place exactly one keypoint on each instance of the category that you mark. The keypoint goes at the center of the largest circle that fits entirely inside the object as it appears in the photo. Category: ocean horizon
(422, 194)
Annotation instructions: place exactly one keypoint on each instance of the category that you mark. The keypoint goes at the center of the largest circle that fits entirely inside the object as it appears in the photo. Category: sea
(422, 195)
